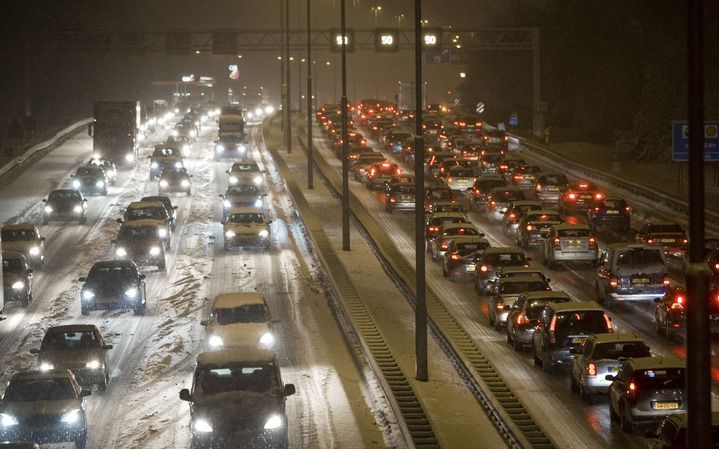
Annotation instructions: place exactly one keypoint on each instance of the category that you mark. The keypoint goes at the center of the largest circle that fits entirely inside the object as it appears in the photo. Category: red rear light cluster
(592, 242)
(522, 319)
(454, 256)
(666, 280)
(591, 369)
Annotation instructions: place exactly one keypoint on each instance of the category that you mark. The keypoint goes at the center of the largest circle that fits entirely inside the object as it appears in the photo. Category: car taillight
(592, 242)
(678, 302)
(371, 172)
(552, 324)
(591, 369)
(598, 196)
(666, 280)
(450, 179)
(530, 227)
(572, 196)
(518, 177)
(716, 266)
(433, 229)
(522, 319)
(392, 200)
(444, 246)
(685, 241)
(596, 209)
(484, 268)
(499, 305)
(613, 282)
(628, 209)
(557, 243)
(632, 390)
(512, 217)
(454, 256)
(650, 241)
(538, 187)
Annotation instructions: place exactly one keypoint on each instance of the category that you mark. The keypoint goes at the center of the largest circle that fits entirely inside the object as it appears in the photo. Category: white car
(246, 226)
(239, 319)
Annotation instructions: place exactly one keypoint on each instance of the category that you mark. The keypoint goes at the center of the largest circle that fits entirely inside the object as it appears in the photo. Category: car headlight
(155, 251)
(250, 115)
(193, 133)
(215, 341)
(48, 209)
(45, 366)
(164, 183)
(93, 364)
(185, 150)
(154, 165)
(34, 251)
(226, 204)
(131, 292)
(174, 133)
(233, 180)
(76, 184)
(100, 183)
(129, 157)
(242, 147)
(18, 285)
(88, 294)
(162, 232)
(121, 252)
(77, 209)
(274, 422)
(219, 148)
(7, 420)
(269, 109)
(201, 426)
(264, 233)
(229, 234)
(258, 203)
(257, 180)
(71, 417)
(178, 164)
(140, 137)
(267, 339)
(185, 183)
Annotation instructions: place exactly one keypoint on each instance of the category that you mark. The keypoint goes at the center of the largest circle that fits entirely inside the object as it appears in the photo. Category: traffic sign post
(680, 141)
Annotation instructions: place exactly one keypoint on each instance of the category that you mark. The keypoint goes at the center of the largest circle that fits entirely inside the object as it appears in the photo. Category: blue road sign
(514, 119)
(680, 141)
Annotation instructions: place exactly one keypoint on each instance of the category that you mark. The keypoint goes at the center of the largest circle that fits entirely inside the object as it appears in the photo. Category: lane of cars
(46, 405)
(564, 220)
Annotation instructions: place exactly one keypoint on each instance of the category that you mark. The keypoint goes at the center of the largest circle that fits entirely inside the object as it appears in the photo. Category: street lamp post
(345, 138)
(376, 10)
(310, 160)
(288, 132)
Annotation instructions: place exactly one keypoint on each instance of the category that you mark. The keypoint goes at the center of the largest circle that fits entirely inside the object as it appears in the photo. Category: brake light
(596, 209)
(583, 185)
(685, 241)
(632, 390)
(650, 241)
(716, 266)
(499, 306)
(628, 209)
(557, 243)
(538, 187)
(392, 200)
(512, 216)
(598, 196)
(678, 302)
(372, 172)
(444, 246)
(385, 165)
(506, 138)
(454, 256)
(613, 282)
(399, 171)
(572, 196)
(552, 324)
(591, 369)
(518, 177)
(504, 166)
(666, 281)
(529, 227)
(592, 242)
(450, 179)
(522, 319)
(433, 229)
(483, 268)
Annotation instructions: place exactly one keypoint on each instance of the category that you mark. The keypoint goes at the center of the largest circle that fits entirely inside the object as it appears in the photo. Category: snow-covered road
(153, 355)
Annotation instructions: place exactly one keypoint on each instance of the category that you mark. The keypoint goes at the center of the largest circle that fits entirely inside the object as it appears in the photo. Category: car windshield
(406, 189)
(242, 190)
(128, 233)
(506, 259)
(14, 235)
(617, 349)
(164, 151)
(640, 256)
(228, 378)
(144, 213)
(535, 306)
(88, 171)
(573, 233)
(70, 340)
(12, 265)
(31, 390)
(249, 313)
(110, 274)
(659, 379)
(464, 172)
(465, 249)
(613, 204)
(246, 218)
(519, 287)
(581, 322)
(58, 195)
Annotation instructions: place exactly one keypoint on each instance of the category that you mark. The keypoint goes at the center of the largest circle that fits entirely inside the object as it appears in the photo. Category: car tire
(584, 394)
(162, 266)
(44, 220)
(85, 311)
(625, 422)
(102, 386)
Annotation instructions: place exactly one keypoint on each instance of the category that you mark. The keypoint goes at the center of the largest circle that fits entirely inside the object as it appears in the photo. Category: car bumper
(239, 439)
(460, 186)
(644, 295)
(44, 434)
(651, 418)
(461, 269)
(500, 316)
(561, 356)
(523, 335)
(249, 240)
(548, 197)
(575, 256)
(403, 206)
(596, 384)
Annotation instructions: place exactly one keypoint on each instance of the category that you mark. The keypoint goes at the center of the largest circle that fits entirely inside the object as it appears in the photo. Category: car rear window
(535, 306)
(506, 259)
(465, 249)
(640, 256)
(665, 228)
(581, 322)
(617, 349)
(490, 184)
(658, 379)
(613, 204)
(573, 233)
(520, 287)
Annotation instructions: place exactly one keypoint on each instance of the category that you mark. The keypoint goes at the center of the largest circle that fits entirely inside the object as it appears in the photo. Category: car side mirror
(85, 393)
(142, 277)
(107, 347)
(120, 220)
(35, 351)
(221, 196)
(82, 279)
(44, 200)
(204, 322)
(289, 390)
(609, 377)
(185, 395)
(42, 239)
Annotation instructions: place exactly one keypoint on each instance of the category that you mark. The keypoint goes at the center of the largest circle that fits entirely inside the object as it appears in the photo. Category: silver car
(24, 238)
(567, 243)
(506, 293)
(525, 313)
(646, 390)
(602, 354)
(460, 178)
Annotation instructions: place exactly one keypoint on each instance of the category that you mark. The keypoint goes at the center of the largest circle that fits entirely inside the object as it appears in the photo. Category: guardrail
(582, 171)
(49, 144)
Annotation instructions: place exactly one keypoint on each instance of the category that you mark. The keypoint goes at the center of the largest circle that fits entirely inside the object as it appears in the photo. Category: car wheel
(625, 421)
(161, 266)
(102, 386)
(85, 310)
(573, 385)
(584, 394)
(44, 220)
(536, 359)
(547, 365)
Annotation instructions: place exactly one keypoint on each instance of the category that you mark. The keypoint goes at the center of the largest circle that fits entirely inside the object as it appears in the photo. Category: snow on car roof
(229, 300)
(18, 226)
(145, 203)
(235, 355)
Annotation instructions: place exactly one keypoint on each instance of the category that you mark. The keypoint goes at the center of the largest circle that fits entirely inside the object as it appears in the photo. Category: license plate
(578, 340)
(575, 243)
(665, 405)
(640, 281)
(470, 268)
(612, 212)
(612, 369)
(552, 189)
(668, 240)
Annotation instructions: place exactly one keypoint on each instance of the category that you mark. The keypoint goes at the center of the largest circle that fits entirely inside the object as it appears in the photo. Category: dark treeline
(613, 72)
